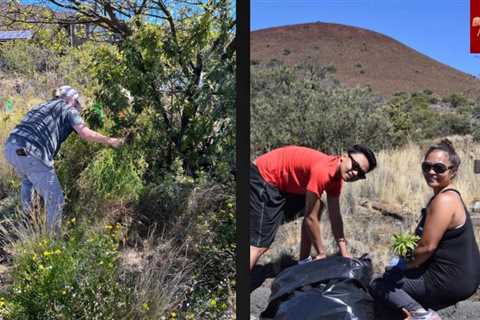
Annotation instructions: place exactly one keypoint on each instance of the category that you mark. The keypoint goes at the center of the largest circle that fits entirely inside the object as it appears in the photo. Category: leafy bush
(191, 111)
(26, 58)
(304, 105)
(73, 279)
(113, 174)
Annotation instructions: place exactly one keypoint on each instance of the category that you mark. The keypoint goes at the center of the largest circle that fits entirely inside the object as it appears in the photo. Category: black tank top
(453, 271)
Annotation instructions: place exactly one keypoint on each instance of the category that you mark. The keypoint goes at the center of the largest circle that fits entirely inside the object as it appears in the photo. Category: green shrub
(212, 293)
(113, 175)
(302, 105)
(164, 203)
(26, 58)
(73, 279)
(456, 100)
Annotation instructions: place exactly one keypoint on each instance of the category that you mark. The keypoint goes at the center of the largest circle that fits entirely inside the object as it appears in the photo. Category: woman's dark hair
(446, 146)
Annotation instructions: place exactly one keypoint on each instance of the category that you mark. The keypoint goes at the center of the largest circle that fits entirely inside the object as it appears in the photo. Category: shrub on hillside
(73, 279)
(27, 58)
(303, 105)
(456, 100)
(113, 174)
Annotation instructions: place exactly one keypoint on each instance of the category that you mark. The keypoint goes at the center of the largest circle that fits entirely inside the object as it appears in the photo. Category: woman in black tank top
(446, 265)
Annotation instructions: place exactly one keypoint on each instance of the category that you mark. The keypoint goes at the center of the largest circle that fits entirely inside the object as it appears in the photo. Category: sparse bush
(456, 100)
(213, 282)
(164, 203)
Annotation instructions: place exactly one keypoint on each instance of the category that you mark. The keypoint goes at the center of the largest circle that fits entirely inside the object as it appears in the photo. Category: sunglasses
(437, 167)
(355, 166)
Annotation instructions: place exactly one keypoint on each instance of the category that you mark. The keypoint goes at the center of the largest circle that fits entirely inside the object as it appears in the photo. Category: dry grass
(161, 271)
(398, 178)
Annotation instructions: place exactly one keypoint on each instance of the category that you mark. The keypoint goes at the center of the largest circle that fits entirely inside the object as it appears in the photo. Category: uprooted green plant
(403, 244)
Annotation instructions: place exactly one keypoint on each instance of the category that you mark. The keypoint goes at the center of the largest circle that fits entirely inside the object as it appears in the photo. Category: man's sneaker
(428, 315)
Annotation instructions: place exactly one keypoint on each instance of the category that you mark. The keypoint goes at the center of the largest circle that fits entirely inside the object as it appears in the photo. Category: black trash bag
(334, 288)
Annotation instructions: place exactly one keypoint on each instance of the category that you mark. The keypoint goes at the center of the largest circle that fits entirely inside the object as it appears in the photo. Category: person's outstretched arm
(311, 227)
(337, 224)
(90, 135)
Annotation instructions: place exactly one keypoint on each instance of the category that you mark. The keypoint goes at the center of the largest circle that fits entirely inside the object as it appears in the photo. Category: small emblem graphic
(475, 24)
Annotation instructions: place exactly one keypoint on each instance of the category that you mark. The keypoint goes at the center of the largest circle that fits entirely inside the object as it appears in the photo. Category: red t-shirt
(294, 169)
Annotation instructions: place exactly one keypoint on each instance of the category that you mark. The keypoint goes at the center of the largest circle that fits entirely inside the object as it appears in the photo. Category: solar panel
(14, 35)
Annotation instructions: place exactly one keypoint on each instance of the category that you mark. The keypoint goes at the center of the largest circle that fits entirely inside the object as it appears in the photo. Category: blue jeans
(35, 174)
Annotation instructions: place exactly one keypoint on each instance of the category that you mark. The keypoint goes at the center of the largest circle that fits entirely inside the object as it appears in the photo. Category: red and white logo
(475, 26)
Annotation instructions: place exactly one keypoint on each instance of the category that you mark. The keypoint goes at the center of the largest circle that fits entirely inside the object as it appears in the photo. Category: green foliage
(304, 105)
(403, 244)
(74, 67)
(26, 58)
(166, 201)
(73, 279)
(455, 100)
(214, 280)
(184, 82)
(476, 121)
(114, 174)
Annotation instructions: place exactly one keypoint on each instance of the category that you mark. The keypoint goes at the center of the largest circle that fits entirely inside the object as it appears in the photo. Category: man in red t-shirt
(294, 170)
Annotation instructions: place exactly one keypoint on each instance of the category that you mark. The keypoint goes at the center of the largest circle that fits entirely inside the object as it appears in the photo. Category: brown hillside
(361, 57)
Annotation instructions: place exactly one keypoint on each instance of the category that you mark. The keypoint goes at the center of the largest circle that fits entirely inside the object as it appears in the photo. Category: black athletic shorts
(269, 208)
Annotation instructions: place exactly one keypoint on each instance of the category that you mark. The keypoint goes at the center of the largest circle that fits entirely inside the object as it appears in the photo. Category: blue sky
(438, 29)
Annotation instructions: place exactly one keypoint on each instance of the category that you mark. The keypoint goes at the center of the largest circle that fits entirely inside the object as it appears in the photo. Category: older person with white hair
(34, 142)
